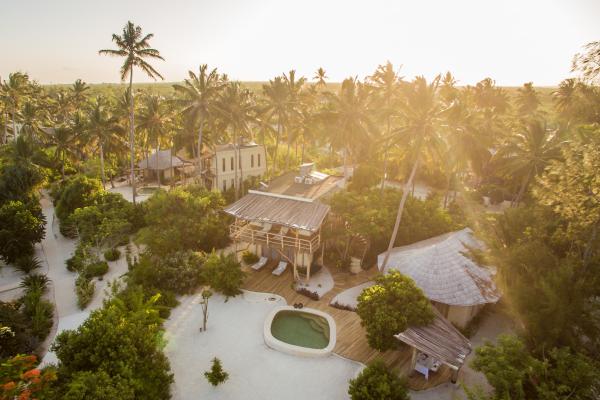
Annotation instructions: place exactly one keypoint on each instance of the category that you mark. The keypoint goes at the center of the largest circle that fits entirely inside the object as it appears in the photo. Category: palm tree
(527, 100)
(294, 107)
(421, 113)
(65, 141)
(154, 119)
(13, 91)
(527, 153)
(102, 130)
(32, 117)
(320, 77)
(387, 84)
(349, 117)
(200, 94)
(237, 108)
(78, 93)
(135, 48)
(275, 108)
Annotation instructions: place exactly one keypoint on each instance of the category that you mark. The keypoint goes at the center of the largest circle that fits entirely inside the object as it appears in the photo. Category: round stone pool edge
(279, 345)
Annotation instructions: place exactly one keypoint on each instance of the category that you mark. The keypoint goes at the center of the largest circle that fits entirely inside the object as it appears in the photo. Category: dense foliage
(377, 382)
(389, 307)
(184, 219)
(21, 226)
(223, 273)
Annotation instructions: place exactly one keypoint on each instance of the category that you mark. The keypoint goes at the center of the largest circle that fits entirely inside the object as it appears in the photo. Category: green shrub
(84, 288)
(112, 254)
(377, 382)
(75, 263)
(216, 375)
(34, 282)
(27, 263)
(96, 269)
(38, 310)
(249, 257)
(223, 273)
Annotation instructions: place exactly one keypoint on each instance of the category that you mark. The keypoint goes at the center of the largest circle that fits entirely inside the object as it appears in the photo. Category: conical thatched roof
(164, 161)
(440, 266)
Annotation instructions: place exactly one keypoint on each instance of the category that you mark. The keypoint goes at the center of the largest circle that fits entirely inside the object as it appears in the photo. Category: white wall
(245, 170)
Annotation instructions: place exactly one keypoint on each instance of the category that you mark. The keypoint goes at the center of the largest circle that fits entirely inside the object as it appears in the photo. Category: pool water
(301, 329)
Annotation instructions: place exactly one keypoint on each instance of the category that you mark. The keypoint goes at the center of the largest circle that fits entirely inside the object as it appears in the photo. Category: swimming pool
(300, 331)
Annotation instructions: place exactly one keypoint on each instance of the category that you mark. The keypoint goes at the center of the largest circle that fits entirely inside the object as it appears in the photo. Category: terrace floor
(351, 337)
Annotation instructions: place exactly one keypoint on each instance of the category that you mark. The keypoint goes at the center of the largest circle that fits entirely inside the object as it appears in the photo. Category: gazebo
(442, 268)
(162, 162)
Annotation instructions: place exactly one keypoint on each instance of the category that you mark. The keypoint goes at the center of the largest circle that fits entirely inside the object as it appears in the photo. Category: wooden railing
(245, 233)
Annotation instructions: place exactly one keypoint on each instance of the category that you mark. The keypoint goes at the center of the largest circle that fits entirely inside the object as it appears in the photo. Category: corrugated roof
(164, 161)
(282, 210)
(441, 268)
(286, 184)
(440, 340)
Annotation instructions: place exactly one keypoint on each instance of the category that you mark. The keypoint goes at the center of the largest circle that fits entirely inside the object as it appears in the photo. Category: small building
(163, 164)
(280, 228)
(219, 166)
(456, 285)
(306, 182)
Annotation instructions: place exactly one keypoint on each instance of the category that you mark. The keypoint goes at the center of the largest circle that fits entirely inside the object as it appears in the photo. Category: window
(223, 164)
(224, 182)
(252, 161)
(259, 160)
(232, 163)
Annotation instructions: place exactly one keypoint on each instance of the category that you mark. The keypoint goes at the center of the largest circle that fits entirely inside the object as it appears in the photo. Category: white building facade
(219, 168)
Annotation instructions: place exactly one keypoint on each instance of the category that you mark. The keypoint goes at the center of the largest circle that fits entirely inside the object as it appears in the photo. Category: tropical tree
(13, 91)
(275, 109)
(588, 63)
(65, 145)
(527, 100)
(294, 89)
(527, 153)
(155, 118)
(102, 130)
(135, 47)
(377, 382)
(237, 108)
(200, 93)
(350, 119)
(79, 93)
(320, 77)
(421, 112)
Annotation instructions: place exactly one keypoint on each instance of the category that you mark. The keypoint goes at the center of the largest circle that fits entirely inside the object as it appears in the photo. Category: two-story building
(219, 166)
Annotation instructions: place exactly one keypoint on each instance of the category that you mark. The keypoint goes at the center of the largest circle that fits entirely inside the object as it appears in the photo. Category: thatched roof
(440, 266)
(439, 339)
(164, 161)
(272, 208)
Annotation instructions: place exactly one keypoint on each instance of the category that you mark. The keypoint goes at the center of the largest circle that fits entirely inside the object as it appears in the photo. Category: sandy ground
(54, 251)
(349, 297)
(256, 372)
(320, 283)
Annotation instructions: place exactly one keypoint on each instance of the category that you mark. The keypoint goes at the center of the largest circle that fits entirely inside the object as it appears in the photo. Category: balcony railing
(246, 233)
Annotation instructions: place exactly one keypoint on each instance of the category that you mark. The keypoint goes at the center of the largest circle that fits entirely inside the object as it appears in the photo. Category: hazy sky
(512, 41)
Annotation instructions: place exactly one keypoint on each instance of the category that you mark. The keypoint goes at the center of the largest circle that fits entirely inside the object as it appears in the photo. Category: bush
(96, 269)
(223, 273)
(38, 310)
(27, 263)
(76, 263)
(216, 375)
(249, 257)
(377, 382)
(34, 282)
(21, 226)
(390, 306)
(305, 292)
(112, 254)
(84, 288)
(17, 337)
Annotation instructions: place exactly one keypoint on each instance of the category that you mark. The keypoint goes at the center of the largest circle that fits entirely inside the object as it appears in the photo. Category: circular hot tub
(301, 332)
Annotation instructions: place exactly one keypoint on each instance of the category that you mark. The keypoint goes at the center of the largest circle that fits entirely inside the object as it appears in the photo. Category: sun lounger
(280, 268)
(260, 263)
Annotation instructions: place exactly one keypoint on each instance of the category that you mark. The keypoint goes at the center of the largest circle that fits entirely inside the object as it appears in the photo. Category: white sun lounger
(260, 263)
(280, 268)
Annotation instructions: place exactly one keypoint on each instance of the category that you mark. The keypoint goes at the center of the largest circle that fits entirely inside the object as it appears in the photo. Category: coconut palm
(200, 93)
(527, 100)
(294, 108)
(387, 86)
(13, 91)
(79, 93)
(154, 119)
(275, 108)
(237, 108)
(350, 120)
(527, 153)
(135, 48)
(320, 77)
(65, 141)
(421, 112)
(32, 121)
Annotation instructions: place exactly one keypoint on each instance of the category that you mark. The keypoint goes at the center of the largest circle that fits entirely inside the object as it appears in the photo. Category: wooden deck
(351, 337)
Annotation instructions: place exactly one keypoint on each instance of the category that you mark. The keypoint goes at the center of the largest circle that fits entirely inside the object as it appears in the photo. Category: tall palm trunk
(5, 127)
(524, 185)
(385, 156)
(131, 135)
(156, 163)
(276, 146)
(102, 165)
(400, 211)
(199, 166)
(14, 124)
(287, 161)
(235, 164)
(346, 177)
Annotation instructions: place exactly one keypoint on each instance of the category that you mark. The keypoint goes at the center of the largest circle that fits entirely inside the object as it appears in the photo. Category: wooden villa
(279, 228)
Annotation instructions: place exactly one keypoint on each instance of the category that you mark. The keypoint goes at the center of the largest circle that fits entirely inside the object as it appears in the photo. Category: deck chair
(281, 267)
(260, 263)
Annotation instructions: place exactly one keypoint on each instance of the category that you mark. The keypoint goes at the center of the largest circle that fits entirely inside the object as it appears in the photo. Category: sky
(511, 41)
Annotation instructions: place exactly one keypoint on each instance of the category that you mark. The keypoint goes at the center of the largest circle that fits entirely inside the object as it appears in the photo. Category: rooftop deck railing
(247, 233)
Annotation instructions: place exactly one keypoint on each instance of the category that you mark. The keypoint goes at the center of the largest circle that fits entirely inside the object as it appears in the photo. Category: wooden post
(454, 377)
(413, 360)
(307, 269)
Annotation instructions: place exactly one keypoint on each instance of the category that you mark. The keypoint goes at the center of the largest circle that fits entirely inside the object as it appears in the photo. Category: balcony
(251, 234)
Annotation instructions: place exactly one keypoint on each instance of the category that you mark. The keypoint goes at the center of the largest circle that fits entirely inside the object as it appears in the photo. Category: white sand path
(256, 372)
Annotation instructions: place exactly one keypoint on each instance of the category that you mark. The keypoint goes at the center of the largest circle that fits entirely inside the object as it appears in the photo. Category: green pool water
(301, 329)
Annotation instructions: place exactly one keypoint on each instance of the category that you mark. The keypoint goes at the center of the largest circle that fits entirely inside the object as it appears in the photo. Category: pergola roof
(440, 339)
(279, 209)
(440, 266)
(164, 161)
